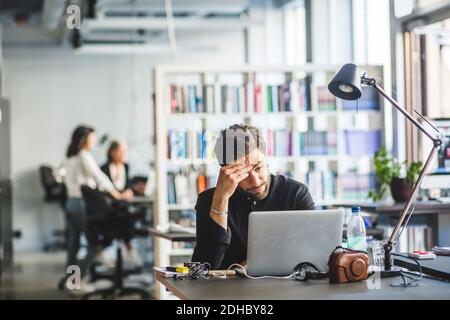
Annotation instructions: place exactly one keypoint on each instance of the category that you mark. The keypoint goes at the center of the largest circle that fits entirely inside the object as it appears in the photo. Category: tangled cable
(196, 271)
(244, 272)
(407, 275)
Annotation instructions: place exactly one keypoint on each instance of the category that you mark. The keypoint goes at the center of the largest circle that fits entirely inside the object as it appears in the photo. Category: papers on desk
(165, 273)
(443, 251)
(174, 227)
(444, 199)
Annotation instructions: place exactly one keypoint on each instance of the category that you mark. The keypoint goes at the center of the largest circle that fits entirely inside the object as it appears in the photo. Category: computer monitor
(436, 181)
(443, 125)
(279, 240)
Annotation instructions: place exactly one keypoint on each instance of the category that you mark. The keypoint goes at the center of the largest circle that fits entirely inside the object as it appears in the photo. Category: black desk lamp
(346, 85)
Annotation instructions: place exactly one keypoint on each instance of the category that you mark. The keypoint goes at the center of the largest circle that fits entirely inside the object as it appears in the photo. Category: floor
(36, 276)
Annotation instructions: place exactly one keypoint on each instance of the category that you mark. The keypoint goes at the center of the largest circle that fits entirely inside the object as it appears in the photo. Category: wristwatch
(220, 213)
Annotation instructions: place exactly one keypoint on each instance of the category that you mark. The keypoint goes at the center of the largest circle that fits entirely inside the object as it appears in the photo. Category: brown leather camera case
(348, 266)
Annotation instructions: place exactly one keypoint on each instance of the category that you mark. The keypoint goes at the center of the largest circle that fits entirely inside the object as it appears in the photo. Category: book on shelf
(226, 99)
(186, 98)
(250, 97)
(362, 142)
(318, 143)
(321, 184)
(369, 100)
(325, 100)
(204, 144)
(190, 144)
(304, 92)
(257, 98)
(270, 102)
(202, 183)
(174, 99)
(192, 99)
(278, 142)
(356, 186)
(171, 194)
(178, 144)
(184, 186)
(284, 98)
(208, 98)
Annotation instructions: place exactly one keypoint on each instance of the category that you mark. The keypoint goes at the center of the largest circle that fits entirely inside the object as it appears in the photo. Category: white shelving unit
(298, 165)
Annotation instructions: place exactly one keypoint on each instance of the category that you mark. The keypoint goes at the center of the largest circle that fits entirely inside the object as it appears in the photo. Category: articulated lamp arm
(437, 144)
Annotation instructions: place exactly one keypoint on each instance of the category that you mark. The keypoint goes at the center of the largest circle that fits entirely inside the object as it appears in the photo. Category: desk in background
(436, 213)
(139, 201)
(174, 236)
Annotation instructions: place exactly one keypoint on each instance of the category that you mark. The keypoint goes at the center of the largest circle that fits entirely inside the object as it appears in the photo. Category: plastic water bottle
(356, 231)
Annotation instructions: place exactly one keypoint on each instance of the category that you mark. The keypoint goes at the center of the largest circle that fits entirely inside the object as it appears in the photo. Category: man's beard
(258, 196)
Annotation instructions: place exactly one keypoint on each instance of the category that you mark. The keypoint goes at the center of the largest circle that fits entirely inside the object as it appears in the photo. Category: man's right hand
(229, 178)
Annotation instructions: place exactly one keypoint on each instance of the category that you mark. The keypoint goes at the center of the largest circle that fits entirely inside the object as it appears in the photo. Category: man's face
(256, 185)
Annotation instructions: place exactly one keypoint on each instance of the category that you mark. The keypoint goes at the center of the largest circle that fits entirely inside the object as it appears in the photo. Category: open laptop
(279, 240)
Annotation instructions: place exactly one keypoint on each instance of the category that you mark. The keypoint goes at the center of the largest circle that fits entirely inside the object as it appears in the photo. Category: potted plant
(388, 174)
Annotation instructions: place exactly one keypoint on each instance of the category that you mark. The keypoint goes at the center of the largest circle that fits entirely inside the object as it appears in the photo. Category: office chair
(54, 192)
(106, 219)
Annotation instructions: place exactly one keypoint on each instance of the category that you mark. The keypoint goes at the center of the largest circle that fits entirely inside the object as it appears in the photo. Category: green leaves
(378, 194)
(387, 168)
(413, 171)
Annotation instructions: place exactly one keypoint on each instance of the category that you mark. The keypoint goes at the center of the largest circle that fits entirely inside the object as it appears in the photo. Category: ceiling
(116, 23)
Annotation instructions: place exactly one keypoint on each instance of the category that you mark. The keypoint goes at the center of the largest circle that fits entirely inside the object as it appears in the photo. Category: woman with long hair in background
(82, 169)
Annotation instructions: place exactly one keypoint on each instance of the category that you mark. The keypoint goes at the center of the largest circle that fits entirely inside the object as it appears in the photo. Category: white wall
(52, 90)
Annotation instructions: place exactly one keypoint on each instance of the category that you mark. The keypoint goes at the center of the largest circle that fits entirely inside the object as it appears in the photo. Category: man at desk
(244, 185)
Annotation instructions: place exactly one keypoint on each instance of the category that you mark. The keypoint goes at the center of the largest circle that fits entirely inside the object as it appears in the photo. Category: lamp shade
(346, 84)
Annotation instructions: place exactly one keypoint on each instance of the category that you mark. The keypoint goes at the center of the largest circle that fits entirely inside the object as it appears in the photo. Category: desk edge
(164, 282)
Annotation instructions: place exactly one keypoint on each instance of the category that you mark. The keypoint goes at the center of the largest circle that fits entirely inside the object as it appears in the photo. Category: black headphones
(305, 271)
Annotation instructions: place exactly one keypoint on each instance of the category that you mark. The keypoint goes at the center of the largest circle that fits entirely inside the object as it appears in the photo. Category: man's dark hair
(238, 141)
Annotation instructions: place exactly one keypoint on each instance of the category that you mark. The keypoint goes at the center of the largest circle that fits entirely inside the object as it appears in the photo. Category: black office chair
(54, 192)
(108, 220)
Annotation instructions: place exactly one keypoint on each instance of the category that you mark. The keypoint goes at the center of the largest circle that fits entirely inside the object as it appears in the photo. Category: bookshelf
(308, 134)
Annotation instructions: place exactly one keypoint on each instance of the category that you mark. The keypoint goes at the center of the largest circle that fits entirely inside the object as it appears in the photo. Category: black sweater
(105, 169)
(222, 248)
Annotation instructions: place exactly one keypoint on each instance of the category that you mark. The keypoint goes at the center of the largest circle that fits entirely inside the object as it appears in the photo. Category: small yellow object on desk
(178, 269)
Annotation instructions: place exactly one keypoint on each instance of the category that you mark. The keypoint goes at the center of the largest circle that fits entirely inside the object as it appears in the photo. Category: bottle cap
(356, 210)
